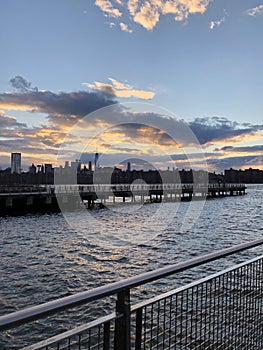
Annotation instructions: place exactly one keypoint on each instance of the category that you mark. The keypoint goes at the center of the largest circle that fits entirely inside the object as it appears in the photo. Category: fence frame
(122, 289)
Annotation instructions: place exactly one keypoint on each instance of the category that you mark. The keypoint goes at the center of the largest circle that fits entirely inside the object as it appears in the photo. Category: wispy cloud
(107, 7)
(21, 84)
(214, 24)
(10, 123)
(242, 162)
(124, 27)
(242, 149)
(119, 89)
(147, 12)
(255, 11)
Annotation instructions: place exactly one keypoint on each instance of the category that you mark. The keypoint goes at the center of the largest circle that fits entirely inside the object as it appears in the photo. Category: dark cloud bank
(218, 128)
(65, 108)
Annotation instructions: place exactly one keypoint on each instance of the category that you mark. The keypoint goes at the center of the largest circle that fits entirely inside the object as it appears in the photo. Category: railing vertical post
(138, 338)
(106, 337)
(122, 322)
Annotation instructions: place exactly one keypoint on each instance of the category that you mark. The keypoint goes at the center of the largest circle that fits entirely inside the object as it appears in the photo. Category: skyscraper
(96, 160)
(16, 163)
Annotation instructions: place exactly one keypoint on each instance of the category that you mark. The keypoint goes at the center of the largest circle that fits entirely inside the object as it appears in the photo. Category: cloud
(22, 85)
(10, 123)
(255, 11)
(107, 7)
(125, 28)
(41, 141)
(63, 107)
(121, 129)
(118, 89)
(243, 162)
(210, 130)
(241, 149)
(183, 8)
(214, 24)
(147, 13)
(140, 133)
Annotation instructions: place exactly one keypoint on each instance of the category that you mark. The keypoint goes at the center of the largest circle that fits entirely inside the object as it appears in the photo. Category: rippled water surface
(47, 256)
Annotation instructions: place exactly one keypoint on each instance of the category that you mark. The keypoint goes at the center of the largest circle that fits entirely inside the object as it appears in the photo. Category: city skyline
(200, 60)
(90, 164)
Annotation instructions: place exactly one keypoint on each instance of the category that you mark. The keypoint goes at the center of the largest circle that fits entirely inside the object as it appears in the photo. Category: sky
(180, 82)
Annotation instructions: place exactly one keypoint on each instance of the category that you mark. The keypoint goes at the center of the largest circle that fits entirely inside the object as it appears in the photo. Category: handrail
(51, 307)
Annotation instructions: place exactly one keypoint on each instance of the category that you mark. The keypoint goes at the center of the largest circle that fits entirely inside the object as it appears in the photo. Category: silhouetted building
(32, 169)
(15, 163)
(76, 166)
(96, 159)
(244, 176)
(48, 169)
(39, 168)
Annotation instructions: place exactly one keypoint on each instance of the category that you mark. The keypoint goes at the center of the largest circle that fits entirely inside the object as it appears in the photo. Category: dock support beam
(29, 201)
(48, 200)
(9, 202)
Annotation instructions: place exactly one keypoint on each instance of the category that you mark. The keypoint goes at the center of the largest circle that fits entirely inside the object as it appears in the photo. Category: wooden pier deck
(46, 198)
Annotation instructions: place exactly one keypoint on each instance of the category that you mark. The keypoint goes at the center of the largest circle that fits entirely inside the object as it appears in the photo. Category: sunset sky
(199, 60)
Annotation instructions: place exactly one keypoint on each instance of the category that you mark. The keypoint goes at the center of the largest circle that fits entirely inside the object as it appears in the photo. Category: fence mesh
(224, 312)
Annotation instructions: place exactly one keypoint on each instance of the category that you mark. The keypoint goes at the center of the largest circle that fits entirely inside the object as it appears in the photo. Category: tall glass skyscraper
(16, 163)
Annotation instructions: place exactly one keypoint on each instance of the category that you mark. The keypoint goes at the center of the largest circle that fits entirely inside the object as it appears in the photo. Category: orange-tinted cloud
(124, 27)
(107, 7)
(121, 131)
(147, 12)
(118, 89)
(62, 108)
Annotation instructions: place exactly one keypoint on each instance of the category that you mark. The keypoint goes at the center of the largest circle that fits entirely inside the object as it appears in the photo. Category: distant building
(96, 159)
(245, 176)
(48, 169)
(15, 163)
(39, 168)
(32, 169)
(90, 165)
(76, 166)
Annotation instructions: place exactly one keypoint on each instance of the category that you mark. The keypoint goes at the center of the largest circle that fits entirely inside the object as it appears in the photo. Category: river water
(44, 257)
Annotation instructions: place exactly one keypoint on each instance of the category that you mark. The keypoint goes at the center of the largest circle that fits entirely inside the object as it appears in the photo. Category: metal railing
(222, 311)
(114, 188)
(143, 187)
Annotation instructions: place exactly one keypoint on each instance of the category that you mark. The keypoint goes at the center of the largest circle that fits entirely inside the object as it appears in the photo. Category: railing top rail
(51, 307)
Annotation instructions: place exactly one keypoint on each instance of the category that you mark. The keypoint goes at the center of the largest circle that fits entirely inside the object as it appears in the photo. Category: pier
(46, 198)
(219, 311)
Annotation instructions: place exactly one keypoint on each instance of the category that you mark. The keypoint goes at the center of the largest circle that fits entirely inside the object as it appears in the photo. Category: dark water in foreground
(45, 257)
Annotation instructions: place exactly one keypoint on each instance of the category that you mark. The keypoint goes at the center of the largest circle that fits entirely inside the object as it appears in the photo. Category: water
(44, 257)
